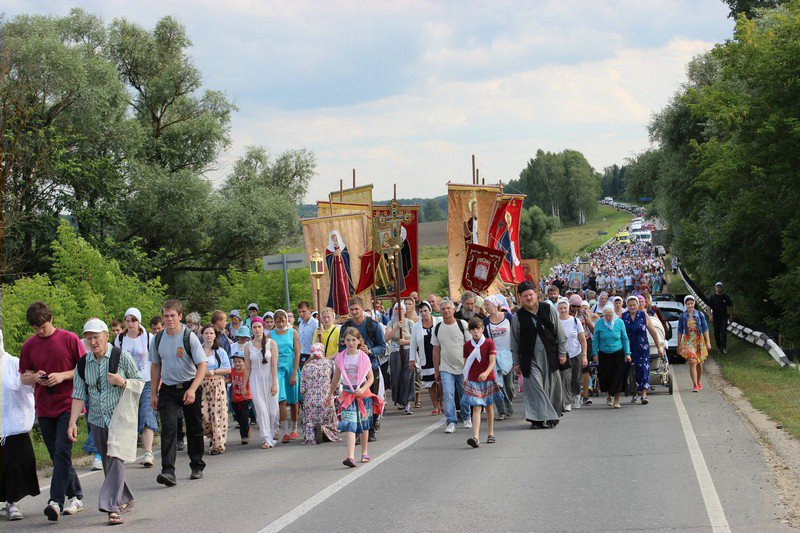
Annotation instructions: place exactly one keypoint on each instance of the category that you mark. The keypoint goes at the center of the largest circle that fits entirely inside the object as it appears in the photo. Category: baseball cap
(95, 325)
(252, 306)
(718, 283)
(237, 354)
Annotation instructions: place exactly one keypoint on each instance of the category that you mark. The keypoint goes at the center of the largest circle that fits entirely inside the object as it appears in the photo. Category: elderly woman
(319, 419)
(637, 326)
(576, 350)
(421, 354)
(612, 348)
(193, 323)
(398, 334)
(694, 341)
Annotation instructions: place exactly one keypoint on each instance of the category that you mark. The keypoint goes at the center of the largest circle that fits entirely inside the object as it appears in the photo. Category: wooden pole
(354, 178)
(477, 176)
(473, 170)
(319, 315)
(341, 190)
(395, 192)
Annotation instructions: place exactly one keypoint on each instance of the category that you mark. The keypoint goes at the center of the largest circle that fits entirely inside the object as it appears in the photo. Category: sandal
(418, 405)
(349, 462)
(473, 442)
(265, 446)
(365, 458)
(434, 412)
(114, 519)
(126, 507)
(490, 439)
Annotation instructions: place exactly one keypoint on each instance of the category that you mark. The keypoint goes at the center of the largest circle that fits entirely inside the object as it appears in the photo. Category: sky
(406, 91)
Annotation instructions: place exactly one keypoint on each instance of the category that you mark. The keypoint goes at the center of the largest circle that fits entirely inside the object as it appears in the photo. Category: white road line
(716, 515)
(332, 489)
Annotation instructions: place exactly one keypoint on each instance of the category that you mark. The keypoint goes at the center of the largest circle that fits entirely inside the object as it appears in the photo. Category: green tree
(536, 231)
(641, 175)
(432, 211)
(750, 8)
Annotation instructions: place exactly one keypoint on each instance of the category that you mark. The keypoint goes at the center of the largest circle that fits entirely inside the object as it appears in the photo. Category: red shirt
(479, 367)
(57, 353)
(237, 384)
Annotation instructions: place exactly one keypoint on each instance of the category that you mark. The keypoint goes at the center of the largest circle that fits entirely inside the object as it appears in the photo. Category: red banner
(481, 268)
(504, 236)
(386, 222)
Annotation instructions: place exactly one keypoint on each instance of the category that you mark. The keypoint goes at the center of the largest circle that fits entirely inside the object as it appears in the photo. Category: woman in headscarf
(637, 326)
(612, 348)
(18, 465)
(618, 309)
(319, 419)
(398, 334)
(421, 354)
(693, 340)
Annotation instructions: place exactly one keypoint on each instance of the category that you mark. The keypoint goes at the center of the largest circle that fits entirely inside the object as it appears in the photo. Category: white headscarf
(609, 325)
(338, 237)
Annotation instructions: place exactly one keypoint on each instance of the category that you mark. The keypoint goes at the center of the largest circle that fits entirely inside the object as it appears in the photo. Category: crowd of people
(325, 378)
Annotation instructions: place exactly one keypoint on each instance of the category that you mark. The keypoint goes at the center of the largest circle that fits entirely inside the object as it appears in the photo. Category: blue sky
(405, 92)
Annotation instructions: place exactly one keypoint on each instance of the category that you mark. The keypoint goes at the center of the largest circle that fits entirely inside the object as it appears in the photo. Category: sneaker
(97, 463)
(293, 435)
(576, 403)
(166, 479)
(635, 400)
(468, 424)
(586, 401)
(372, 437)
(73, 506)
(196, 474)
(408, 411)
(52, 511)
(568, 408)
(617, 404)
(180, 446)
(451, 428)
(645, 401)
(696, 388)
(700, 385)
(12, 512)
(148, 460)
(501, 416)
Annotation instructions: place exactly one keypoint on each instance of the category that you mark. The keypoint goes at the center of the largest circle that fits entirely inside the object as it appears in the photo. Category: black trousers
(241, 412)
(721, 333)
(170, 407)
(64, 482)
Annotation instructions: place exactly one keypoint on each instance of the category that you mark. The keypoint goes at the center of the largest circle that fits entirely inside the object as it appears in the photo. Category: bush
(265, 288)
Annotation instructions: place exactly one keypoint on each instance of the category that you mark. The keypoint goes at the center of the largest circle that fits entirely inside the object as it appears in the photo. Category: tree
(432, 211)
(750, 8)
(641, 175)
(536, 230)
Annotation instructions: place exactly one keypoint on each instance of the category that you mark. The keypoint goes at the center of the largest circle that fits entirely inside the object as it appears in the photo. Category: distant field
(433, 233)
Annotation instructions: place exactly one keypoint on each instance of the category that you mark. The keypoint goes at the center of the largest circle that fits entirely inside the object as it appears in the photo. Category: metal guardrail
(758, 338)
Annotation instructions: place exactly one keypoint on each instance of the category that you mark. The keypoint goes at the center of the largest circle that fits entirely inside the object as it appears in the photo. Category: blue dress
(636, 328)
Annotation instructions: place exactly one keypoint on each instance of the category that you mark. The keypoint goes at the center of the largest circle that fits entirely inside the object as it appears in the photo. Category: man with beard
(469, 308)
(538, 346)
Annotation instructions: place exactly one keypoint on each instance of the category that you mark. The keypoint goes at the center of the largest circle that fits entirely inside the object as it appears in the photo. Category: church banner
(504, 236)
(395, 224)
(356, 195)
(481, 268)
(470, 209)
(340, 239)
(530, 269)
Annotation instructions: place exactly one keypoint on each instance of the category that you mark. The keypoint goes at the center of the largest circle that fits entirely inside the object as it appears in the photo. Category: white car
(671, 311)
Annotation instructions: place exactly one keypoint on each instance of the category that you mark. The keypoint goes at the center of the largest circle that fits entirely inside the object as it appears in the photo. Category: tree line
(110, 127)
(725, 169)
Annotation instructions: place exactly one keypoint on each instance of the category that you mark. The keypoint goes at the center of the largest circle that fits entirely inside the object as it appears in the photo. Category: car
(663, 297)
(623, 236)
(671, 311)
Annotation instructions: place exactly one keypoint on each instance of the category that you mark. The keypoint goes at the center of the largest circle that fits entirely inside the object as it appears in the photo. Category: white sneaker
(576, 403)
(74, 506)
(12, 512)
(52, 511)
(468, 424)
(568, 407)
(148, 460)
(451, 428)
(97, 464)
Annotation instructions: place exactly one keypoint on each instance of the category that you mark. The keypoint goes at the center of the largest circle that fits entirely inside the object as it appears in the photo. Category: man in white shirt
(448, 341)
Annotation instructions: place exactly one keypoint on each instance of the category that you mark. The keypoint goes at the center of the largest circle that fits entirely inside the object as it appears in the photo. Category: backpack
(113, 365)
(119, 339)
(460, 328)
(186, 345)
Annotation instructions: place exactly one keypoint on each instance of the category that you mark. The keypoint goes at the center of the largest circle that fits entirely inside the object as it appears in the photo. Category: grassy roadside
(572, 239)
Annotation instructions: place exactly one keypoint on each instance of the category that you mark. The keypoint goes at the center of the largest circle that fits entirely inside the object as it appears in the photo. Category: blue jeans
(64, 481)
(453, 384)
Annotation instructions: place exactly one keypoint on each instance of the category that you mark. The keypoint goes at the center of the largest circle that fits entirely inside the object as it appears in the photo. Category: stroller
(659, 372)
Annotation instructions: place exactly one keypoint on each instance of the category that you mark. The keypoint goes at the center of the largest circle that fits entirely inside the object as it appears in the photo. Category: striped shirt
(103, 396)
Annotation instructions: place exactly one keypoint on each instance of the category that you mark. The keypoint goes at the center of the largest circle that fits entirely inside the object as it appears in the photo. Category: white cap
(252, 306)
(134, 312)
(718, 283)
(95, 325)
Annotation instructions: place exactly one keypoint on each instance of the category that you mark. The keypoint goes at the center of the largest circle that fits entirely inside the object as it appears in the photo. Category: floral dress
(315, 381)
(636, 328)
(693, 347)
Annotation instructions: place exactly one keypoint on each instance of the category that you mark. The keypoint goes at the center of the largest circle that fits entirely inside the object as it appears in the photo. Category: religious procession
(366, 344)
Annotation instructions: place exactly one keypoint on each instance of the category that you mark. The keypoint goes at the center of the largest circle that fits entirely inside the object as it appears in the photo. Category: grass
(432, 269)
(40, 450)
(768, 387)
(572, 240)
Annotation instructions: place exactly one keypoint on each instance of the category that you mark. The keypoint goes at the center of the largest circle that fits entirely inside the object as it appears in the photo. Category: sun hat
(243, 331)
(575, 300)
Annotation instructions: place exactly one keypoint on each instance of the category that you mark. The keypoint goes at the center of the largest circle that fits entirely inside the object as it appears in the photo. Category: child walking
(480, 387)
(240, 396)
(358, 405)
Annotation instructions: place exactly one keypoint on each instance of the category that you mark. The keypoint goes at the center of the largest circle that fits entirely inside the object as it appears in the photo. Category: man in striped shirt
(104, 390)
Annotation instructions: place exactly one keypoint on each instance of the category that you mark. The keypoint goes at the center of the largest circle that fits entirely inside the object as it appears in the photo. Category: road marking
(332, 489)
(716, 515)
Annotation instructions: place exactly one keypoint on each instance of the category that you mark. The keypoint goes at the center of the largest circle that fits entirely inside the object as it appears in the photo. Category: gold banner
(326, 209)
(357, 195)
(340, 240)
(469, 215)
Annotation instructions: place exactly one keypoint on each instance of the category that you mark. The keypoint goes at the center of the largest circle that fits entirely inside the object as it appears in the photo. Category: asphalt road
(600, 470)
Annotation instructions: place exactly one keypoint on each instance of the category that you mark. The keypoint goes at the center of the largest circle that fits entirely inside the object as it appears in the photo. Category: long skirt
(541, 389)
(402, 377)
(17, 469)
(215, 411)
(611, 371)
